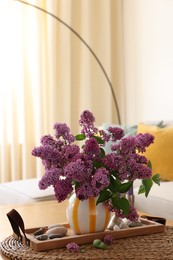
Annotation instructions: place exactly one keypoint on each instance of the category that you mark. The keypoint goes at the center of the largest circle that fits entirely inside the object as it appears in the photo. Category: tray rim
(149, 227)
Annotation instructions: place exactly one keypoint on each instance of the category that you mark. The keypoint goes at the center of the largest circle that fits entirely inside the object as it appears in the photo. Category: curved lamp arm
(89, 48)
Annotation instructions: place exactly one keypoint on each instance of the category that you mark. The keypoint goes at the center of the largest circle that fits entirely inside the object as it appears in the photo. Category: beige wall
(148, 59)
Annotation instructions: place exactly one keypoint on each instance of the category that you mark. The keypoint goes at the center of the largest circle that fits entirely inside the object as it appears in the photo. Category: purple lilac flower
(100, 179)
(86, 118)
(87, 123)
(50, 156)
(105, 137)
(116, 132)
(92, 148)
(139, 171)
(69, 153)
(143, 141)
(62, 189)
(45, 152)
(65, 163)
(61, 157)
(87, 161)
(110, 161)
(50, 178)
(72, 247)
(77, 171)
(48, 140)
(127, 145)
(47, 164)
(85, 191)
(62, 130)
(115, 147)
(37, 151)
(132, 215)
(125, 176)
(139, 158)
(108, 240)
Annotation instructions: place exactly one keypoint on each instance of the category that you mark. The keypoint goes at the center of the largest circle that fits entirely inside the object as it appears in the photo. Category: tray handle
(17, 224)
(159, 220)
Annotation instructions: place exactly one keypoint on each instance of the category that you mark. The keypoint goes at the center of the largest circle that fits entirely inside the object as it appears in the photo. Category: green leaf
(156, 178)
(115, 201)
(114, 184)
(150, 165)
(124, 187)
(99, 244)
(148, 183)
(97, 164)
(115, 174)
(102, 152)
(75, 183)
(121, 204)
(117, 186)
(104, 195)
(99, 140)
(80, 137)
(141, 189)
(124, 205)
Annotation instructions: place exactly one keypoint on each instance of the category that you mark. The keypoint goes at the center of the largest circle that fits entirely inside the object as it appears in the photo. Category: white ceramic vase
(85, 217)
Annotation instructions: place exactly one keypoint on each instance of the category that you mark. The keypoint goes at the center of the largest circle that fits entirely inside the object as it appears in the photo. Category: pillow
(160, 153)
(128, 130)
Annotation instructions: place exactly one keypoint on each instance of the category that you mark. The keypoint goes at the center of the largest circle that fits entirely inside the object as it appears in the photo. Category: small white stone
(118, 221)
(116, 227)
(123, 225)
(127, 221)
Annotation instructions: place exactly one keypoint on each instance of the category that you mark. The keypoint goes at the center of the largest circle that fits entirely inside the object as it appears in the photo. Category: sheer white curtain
(48, 75)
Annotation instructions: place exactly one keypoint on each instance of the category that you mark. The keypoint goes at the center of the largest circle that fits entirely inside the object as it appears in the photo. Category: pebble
(116, 227)
(52, 236)
(127, 221)
(54, 225)
(40, 231)
(50, 232)
(135, 224)
(57, 230)
(42, 237)
(114, 221)
(123, 225)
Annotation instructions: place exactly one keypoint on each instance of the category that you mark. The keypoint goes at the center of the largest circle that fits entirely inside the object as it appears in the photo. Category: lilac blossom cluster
(132, 215)
(73, 247)
(125, 161)
(87, 170)
(108, 240)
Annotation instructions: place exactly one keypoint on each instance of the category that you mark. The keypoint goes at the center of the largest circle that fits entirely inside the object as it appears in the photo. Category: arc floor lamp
(87, 46)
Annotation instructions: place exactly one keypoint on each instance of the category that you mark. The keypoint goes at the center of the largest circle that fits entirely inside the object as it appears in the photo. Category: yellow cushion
(160, 153)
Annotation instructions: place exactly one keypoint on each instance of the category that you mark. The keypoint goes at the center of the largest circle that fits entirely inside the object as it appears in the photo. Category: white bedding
(23, 191)
(159, 201)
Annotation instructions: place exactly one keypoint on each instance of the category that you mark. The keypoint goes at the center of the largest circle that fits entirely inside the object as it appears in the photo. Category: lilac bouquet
(88, 171)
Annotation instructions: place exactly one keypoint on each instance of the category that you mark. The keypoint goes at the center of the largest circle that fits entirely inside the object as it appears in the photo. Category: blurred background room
(48, 74)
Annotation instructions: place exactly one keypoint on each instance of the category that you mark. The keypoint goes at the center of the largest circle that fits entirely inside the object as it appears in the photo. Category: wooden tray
(148, 227)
